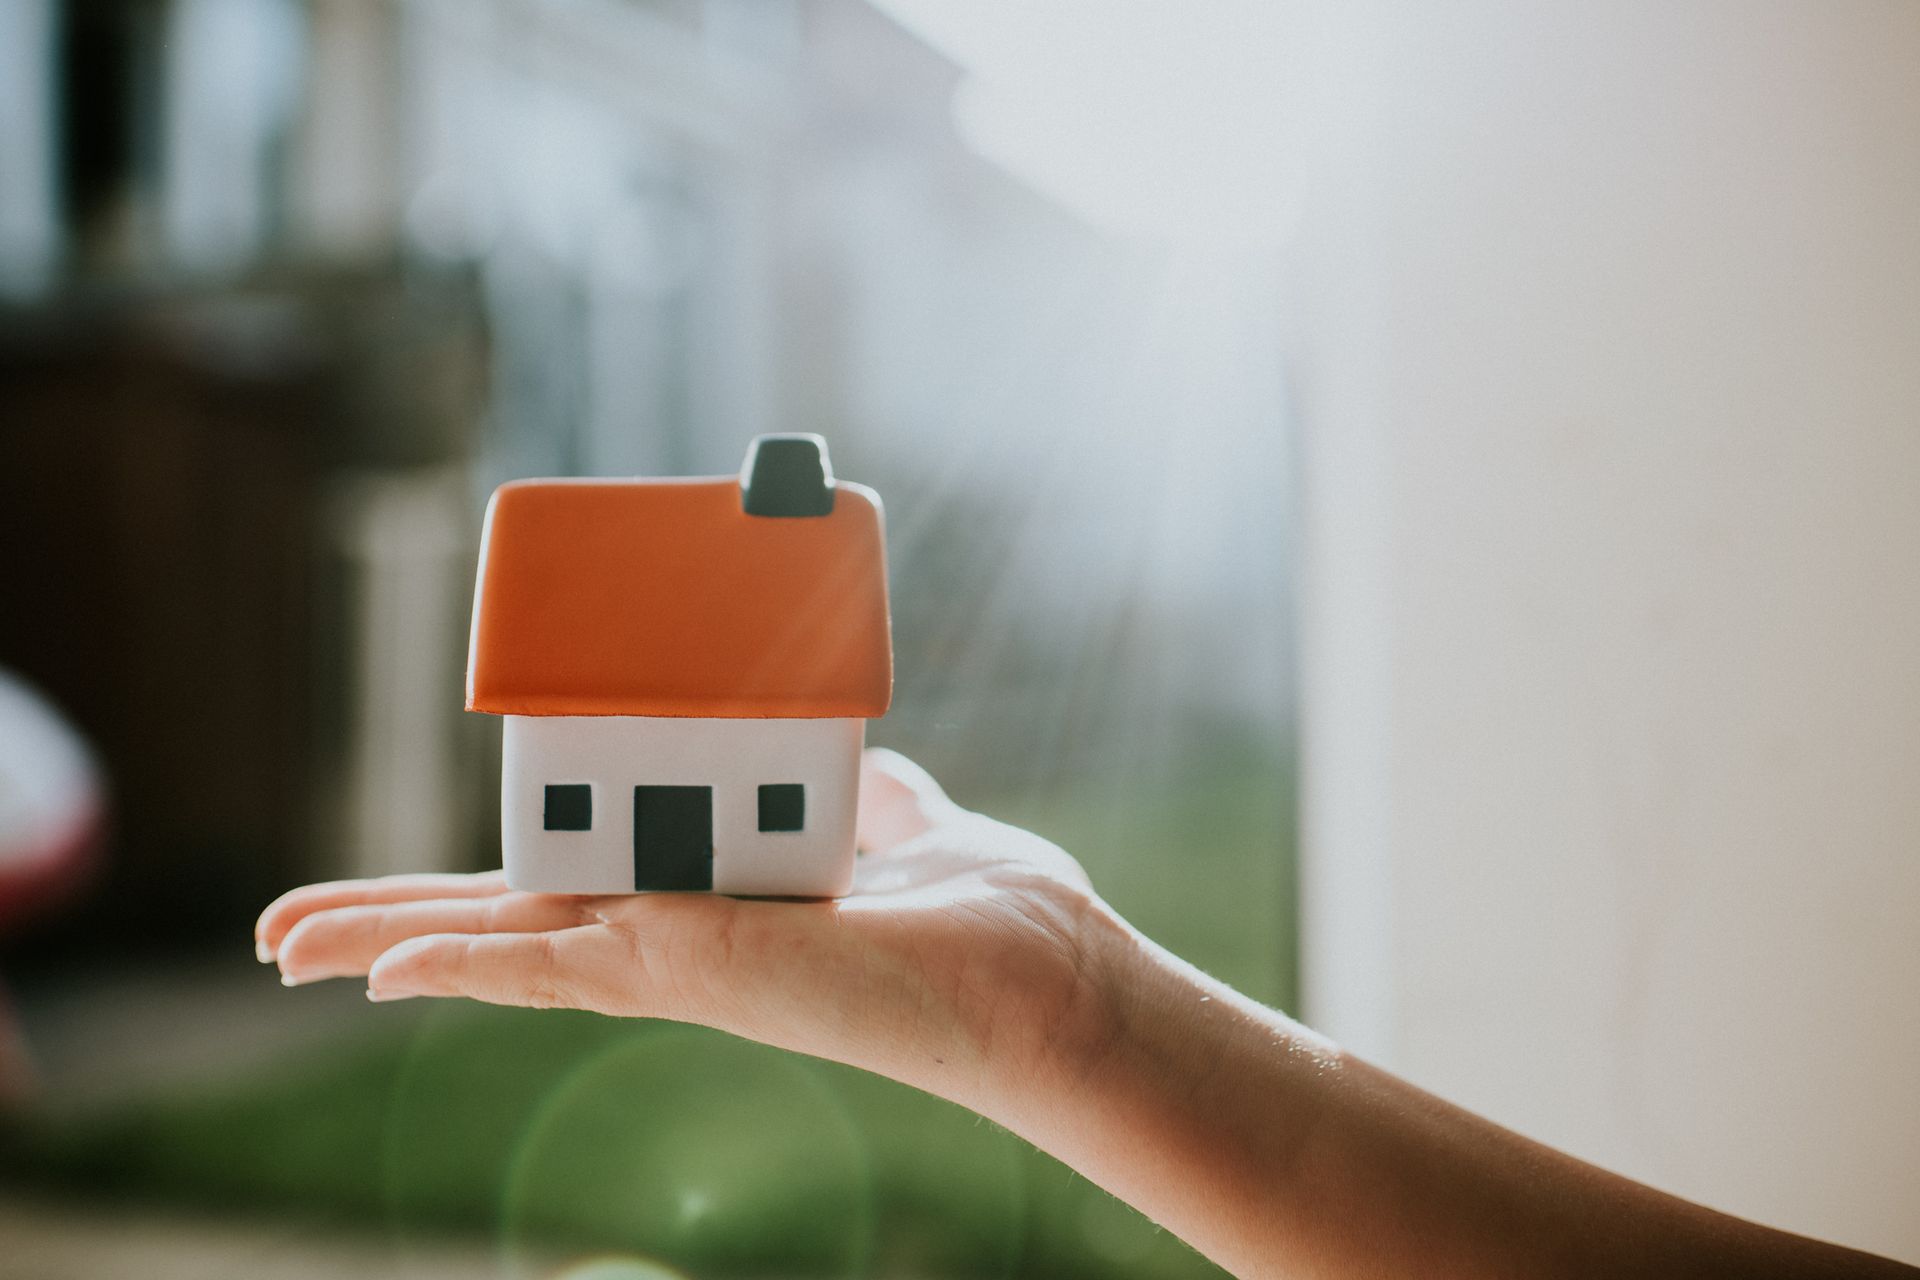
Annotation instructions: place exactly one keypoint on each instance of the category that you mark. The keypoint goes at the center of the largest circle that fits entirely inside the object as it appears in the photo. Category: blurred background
(1502, 418)
(290, 285)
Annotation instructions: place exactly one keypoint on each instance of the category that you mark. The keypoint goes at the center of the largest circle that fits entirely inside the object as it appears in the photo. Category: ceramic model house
(685, 668)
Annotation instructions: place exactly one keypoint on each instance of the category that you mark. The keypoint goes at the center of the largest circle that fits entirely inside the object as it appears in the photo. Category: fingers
(343, 941)
(291, 907)
(898, 801)
(587, 967)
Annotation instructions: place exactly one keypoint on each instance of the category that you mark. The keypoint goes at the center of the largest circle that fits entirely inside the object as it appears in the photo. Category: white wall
(1610, 381)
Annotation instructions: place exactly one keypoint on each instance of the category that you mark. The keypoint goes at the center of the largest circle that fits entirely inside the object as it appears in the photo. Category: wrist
(1113, 964)
(1024, 1023)
(1078, 1021)
(1179, 1095)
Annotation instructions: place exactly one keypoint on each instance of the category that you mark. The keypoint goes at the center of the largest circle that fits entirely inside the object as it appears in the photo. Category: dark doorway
(673, 837)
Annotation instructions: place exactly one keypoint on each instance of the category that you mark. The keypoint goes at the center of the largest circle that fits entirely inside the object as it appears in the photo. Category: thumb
(898, 801)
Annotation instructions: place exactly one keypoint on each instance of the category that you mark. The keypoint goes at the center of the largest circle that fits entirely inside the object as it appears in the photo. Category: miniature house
(685, 668)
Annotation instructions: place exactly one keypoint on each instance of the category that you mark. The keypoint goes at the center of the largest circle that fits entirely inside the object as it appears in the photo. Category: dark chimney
(787, 475)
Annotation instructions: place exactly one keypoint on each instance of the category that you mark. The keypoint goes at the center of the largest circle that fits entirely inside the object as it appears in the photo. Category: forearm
(1275, 1154)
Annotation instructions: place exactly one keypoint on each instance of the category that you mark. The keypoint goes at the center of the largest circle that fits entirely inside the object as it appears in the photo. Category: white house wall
(614, 754)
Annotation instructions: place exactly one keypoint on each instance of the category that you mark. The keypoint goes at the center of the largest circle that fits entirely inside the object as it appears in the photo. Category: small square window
(783, 806)
(569, 806)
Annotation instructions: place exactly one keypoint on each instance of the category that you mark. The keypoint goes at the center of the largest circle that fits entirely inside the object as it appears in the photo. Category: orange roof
(665, 598)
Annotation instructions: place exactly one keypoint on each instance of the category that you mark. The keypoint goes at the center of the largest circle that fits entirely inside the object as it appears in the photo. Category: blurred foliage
(557, 1133)
(1202, 862)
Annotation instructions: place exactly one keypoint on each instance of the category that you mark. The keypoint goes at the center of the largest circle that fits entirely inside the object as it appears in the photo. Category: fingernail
(262, 952)
(290, 980)
(381, 997)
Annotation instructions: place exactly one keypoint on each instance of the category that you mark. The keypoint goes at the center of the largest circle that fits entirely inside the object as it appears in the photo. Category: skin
(974, 961)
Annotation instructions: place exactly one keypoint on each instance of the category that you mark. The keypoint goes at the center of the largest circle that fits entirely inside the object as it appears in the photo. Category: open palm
(964, 938)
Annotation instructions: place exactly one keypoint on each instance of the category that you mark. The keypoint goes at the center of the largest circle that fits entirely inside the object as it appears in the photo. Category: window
(783, 806)
(569, 806)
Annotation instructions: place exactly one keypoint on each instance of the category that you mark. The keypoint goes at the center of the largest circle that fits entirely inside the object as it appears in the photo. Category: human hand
(971, 956)
(974, 961)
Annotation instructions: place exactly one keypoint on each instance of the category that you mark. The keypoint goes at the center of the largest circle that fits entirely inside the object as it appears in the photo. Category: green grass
(558, 1131)
(562, 1132)
(1203, 864)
